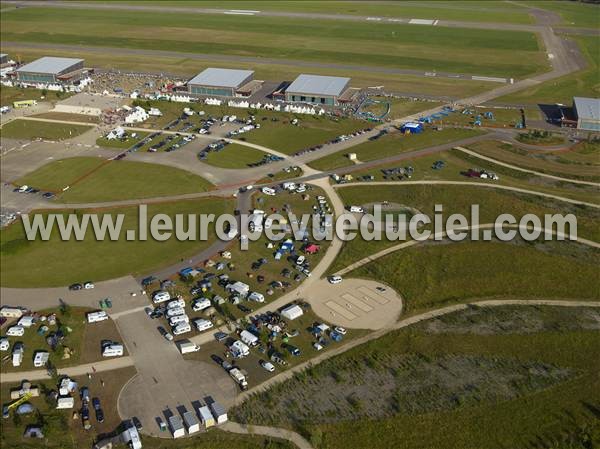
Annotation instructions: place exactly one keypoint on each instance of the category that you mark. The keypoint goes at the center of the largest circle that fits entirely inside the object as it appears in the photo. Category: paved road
(79, 370)
(473, 184)
(524, 170)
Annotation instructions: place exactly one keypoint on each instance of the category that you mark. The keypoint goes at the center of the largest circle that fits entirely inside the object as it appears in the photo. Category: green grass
(562, 415)
(94, 180)
(541, 138)
(430, 276)
(484, 52)
(234, 156)
(583, 83)
(124, 144)
(35, 263)
(10, 94)
(456, 199)
(580, 162)
(83, 340)
(573, 13)
(489, 11)
(399, 107)
(390, 145)
(30, 130)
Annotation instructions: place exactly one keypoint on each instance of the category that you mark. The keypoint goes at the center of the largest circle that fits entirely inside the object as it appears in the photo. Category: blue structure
(412, 128)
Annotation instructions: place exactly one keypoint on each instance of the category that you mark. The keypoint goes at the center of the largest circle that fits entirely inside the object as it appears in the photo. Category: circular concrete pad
(356, 303)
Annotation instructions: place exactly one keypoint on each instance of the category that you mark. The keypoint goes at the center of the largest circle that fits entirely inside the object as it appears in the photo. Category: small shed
(206, 417)
(218, 412)
(176, 425)
(412, 128)
(292, 312)
(191, 422)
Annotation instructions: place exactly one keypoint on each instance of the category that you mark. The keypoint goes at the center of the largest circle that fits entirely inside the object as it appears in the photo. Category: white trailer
(112, 351)
(65, 402)
(40, 359)
(11, 312)
(186, 346)
(160, 296)
(178, 319)
(94, 317)
(249, 338)
(182, 328)
(239, 377)
(176, 425)
(191, 422)
(202, 324)
(15, 331)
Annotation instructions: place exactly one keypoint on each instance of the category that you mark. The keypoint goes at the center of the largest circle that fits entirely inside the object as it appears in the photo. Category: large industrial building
(220, 82)
(587, 113)
(316, 89)
(51, 70)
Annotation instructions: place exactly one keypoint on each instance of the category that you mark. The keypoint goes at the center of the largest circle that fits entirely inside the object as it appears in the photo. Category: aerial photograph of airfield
(158, 112)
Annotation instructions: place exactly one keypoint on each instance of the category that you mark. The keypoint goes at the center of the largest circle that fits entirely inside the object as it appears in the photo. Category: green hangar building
(219, 82)
(51, 70)
(316, 89)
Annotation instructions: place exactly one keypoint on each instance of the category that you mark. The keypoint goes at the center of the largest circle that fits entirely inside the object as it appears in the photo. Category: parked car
(98, 409)
(88, 285)
(267, 365)
(220, 336)
(340, 330)
(165, 334)
(335, 279)
(75, 287)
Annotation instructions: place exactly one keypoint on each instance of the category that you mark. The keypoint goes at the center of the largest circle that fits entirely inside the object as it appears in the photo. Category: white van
(160, 296)
(202, 324)
(175, 320)
(112, 351)
(175, 311)
(201, 304)
(357, 209)
(94, 317)
(257, 297)
(15, 331)
(268, 191)
(176, 303)
(182, 328)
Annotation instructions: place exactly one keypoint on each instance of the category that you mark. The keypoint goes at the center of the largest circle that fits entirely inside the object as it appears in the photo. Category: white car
(340, 330)
(300, 260)
(268, 366)
(268, 191)
(88, 285)
(335, 279)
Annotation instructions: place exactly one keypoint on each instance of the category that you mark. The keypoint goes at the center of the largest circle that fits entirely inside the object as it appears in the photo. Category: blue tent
(412, 127)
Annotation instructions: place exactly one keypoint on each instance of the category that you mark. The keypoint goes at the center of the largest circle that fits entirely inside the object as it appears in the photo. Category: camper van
(268, 191)
(113, 350)
(176, 303)
(175, 311)
(40, 359)
(15, 331)
(160, 296)
(201, 304)
(94, 317)
(175, 320)
(202, 324)
(257, 297)
(182, 328)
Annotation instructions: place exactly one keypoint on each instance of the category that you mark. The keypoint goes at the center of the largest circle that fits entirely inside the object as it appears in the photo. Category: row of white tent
(270, 107)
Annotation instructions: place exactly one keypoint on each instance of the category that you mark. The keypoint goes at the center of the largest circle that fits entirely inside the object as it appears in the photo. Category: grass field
(234, 156)
(583, 83)
(83, 340)
(455, 199)
(390, 145)
(399, 107)
(124, 144)
(541, 138)
(580, 162)
(60, 429)
(434, 275)
(31, 130)
(576, 14)
(394, 390)
(93, 180)
(457, 163)
(69, 117)
(10, 94)
(34, 263)
(490, 11)
(483, 52)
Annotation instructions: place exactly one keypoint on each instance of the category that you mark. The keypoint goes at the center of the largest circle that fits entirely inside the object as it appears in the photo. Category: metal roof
(221, 77)
(318, 85)
(587, 108)
(49, 64)
(2, 55)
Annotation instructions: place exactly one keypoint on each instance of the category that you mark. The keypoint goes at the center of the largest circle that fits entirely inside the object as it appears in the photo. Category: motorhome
(202, 324)
(114, 350)
(94, 317)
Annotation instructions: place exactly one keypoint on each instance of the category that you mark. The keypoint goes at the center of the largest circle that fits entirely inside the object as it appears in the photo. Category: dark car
(220, 336)
(48, 195)
(137, 423)
(75, 287)
(218, 360)
(147, 281)
(244, 309)
(98, 409)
